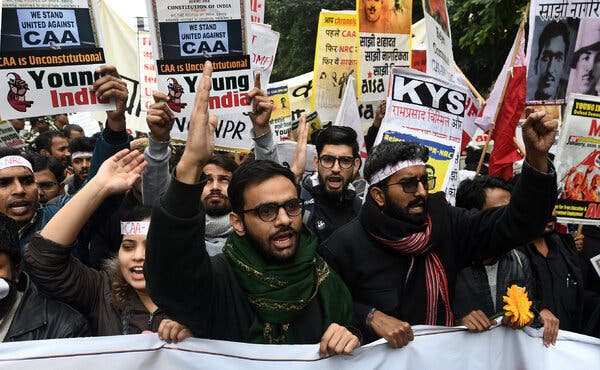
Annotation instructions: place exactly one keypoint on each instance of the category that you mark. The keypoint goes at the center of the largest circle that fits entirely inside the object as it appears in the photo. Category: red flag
(511, 108)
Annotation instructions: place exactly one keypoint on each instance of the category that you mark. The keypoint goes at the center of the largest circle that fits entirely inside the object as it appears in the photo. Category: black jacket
(375, 274)
(473, 290)
(40, 318)
(324, 214)
(587, 315)
(199, 291)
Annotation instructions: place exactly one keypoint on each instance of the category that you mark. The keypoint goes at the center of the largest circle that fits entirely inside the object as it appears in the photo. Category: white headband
(81, 155)
(391, 169)
(134, 227)
(14, 161)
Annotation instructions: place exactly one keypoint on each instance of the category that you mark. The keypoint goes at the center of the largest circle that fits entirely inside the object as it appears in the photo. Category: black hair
(254, 173)
(136, 213)
(471, 192)
(552, 30)
(44, 140)
(337, 135)
(9, 240)
(81, 144)
(391, 152)
(66, 130)
(223, 161)
(40, 163)
(40, 119)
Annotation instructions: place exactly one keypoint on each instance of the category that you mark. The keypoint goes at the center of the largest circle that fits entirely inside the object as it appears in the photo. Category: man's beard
(264, 252)
(218, 209)
(334, 194)
(401, 213)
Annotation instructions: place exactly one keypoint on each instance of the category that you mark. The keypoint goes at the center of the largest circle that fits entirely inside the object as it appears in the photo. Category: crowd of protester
(105, 235)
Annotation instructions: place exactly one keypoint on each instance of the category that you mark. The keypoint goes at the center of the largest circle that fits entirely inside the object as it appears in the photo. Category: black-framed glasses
(328, 161)
(268, 211)
(412, 185)
(45, 185)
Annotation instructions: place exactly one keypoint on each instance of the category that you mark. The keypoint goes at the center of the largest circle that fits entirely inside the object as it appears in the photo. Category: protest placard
(9, 137)
(385, 31)
(430, 111)
(263, 48)
(180, 27)
(336, 58)
(564, 37)
(257, 11)
(50, 51)
(147, 68)
(281, 115)
(578, 162)
(186, 28)
(440, 59)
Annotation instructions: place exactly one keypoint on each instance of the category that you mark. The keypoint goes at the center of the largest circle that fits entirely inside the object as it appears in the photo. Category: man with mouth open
(400, 256)
(269, 285)
(330, 200)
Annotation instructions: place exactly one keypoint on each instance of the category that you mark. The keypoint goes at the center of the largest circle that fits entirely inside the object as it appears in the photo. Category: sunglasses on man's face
(411, 185)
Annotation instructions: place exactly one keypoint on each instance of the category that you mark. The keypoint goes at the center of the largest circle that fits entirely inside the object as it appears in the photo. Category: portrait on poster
(550, 60)
(385, 16)
(585, 65)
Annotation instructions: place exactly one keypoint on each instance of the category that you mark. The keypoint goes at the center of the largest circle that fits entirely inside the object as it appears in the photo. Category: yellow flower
(517, 306)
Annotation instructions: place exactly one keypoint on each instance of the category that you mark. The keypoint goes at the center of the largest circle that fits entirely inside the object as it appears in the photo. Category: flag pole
(512, 64)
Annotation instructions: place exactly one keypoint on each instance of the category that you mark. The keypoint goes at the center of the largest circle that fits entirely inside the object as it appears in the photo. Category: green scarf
(279, 293)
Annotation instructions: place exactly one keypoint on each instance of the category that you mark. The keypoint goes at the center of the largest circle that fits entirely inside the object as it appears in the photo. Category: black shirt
(556, 284)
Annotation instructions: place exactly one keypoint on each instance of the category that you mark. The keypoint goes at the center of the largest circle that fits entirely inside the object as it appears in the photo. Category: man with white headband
(400, 256)
(18, 190)
(81, 158)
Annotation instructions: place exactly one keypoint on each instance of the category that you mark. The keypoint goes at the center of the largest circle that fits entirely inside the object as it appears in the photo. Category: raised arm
(178, 270)
(264, 144)
(48, 256)
(493, 232)
(155, 178)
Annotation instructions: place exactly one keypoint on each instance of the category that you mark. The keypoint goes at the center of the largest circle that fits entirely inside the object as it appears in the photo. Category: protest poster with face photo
(385, 29)
(50, 51)
(429, 111)
(564, 51)
(578, 162)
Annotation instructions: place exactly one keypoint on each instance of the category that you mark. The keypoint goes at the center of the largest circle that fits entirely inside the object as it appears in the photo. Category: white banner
(433, 348)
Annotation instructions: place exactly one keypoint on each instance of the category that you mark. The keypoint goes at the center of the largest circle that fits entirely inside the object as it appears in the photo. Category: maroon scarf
(435, 279)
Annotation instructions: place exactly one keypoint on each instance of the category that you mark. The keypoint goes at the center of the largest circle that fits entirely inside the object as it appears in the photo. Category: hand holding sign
(539, 132)
(261, 108)
(201, 137)
(160, 118)
(110, 85)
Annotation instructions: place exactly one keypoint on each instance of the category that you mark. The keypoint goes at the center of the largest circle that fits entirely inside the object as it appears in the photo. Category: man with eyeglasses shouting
(330, 199)
(400, 256)
(269, 285)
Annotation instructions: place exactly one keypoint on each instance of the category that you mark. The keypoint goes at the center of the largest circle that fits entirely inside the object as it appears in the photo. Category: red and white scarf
(435, 279)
